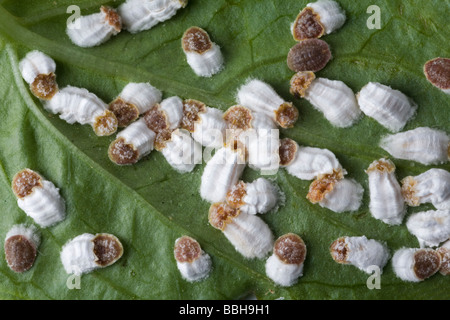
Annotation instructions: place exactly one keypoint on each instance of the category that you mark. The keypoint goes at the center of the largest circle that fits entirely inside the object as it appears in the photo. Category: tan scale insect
(437, 71)
(21, 245)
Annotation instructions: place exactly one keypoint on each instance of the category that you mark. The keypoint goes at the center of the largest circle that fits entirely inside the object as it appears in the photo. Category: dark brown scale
(187, 250)
(20, 253)
(286, 115)
(220, 214)
(112, 17)
(122, 153)
(162, 138)
(125, 112)
(24, 182)
(309, 55)
(107, 249)
(191, 110)
(437, 72)
(44, 86)
(445, 257)
(196, 39)
(287, 151)
(307, 25)
(339, 251)
(156, 120)
(426, 263)
(290, 249)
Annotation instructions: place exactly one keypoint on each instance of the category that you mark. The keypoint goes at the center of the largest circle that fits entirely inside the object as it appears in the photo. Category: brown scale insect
(309, 55)
(437, 71)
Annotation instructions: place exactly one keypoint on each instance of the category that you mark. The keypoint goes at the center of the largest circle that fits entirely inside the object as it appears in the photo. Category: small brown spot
(339, 251)
(107, 249)
(288, 150)
(191, 110)
(309, 55)
(196, 39)
(112, 17)
(187, 249)
(125, 112)
(238, 117)
(307, 25)
(162, 138)
(323, 185)
(445, 258)
(20, 253)
(235, 197)
(300, 82)
(44, 86)
(290, 249)
(220, 214)
(426, 263)
(122, 153)
(106, 124)
(409, 191)
(24, 182)
(437, 72)
(286, 115)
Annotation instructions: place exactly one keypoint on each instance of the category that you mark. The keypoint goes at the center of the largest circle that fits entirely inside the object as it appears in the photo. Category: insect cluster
(247, 134)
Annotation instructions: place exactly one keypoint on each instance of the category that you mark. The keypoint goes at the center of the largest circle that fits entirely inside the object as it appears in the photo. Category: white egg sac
(360, 252)
(203, 55)
(260, 97)
(173, 109)
(430, 227)
(39, 198)
(259, 196)
(423, 145)
(432, 186)
(192, 262)
(386, 201)
(335, 193)
(391, 108)
(79, 105)
(285, 265)
(444, 251)
(307, 163)
(88, 252)
(248, 233)
(415, 265)
(132, 144)
(334, 99)
(221, 173)
(21, 244)
(140, 15)
(38, 70)
(134, 99)
(95, 29)
(182, 152)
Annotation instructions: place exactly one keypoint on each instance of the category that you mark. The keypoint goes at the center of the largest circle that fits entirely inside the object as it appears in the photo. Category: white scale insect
(21, 244)
(391, 108)
(415, 265)
(203, 55)
(386, 200)
(192, 262)
(430, 227)
(39, 198)
(424, 145)
(95, 29)
(140, 15)
(333, 98)
(360, 252)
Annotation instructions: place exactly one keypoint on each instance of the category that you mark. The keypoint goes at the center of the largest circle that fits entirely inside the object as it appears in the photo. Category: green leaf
(149, 205)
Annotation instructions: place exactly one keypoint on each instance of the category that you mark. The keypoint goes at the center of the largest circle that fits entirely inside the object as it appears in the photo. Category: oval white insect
(132, 144)
(390, 107)
(423, 145)
(21, 244)
(360, 252)
(192, 262)
(386, 201)
(285, 265)
(203, 55)
(221, 173)
(140, 15)
(318, 18)
(134, 99)
(88, 252)
(206, 124)
(432, 186)
(38, 198)
(415, 265)
(38, 70)
(444, 251)
(79, 105)
(248, 233)
(430, 227)
(333, 98)
(307, 163)
(260, 97)
(95, 29)
(259, 196)
(335, 193)
(181, 151)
